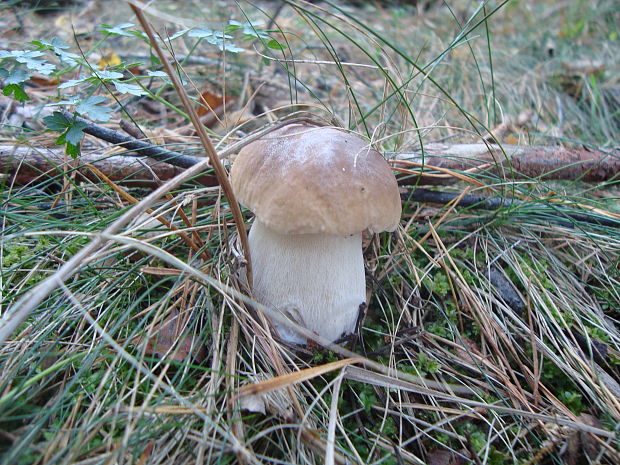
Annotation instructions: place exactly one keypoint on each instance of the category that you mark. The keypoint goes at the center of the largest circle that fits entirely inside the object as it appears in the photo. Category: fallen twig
(25, 164)
(509, 161)
(137, 146)
(416, 168)
(493, 203)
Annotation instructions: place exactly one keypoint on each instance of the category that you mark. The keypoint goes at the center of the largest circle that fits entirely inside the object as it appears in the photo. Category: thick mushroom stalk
(316, 280)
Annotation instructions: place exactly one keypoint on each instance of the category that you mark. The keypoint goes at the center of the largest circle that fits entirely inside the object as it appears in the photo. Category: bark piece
(24, 164)
(510, 161)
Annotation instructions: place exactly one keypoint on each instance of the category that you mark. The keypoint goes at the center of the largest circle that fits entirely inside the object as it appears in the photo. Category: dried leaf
(209, 102)
(446, 457)
(168, 341)
(511, 139)
(44, 81)
(254, 404)
(109, 59)
(275, 402)
(582, 447)
(148, 450)
(233, 119)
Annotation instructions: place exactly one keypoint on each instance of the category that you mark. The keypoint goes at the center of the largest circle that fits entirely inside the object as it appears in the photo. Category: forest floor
(491, 334)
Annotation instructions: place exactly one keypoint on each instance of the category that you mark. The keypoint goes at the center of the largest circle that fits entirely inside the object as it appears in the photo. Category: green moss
(438, 284)
(573, 400)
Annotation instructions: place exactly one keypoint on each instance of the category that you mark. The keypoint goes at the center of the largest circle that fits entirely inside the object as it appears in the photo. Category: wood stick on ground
(25, 164)
(509, 161)
(141, 148)
(493, 203)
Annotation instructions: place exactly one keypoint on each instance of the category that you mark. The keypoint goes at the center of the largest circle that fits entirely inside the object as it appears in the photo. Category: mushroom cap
(303, 179)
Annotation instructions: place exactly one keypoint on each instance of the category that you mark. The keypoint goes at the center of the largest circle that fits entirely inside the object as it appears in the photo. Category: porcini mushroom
(313, 191)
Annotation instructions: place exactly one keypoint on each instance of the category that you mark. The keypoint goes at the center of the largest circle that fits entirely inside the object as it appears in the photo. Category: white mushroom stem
(317, 280)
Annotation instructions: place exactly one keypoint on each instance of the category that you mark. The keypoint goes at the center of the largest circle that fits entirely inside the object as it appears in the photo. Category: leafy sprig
(71, 132)
(16, 67)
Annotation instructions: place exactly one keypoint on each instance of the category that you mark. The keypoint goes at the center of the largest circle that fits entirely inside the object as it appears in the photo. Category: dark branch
(493, 203)
(139, 147)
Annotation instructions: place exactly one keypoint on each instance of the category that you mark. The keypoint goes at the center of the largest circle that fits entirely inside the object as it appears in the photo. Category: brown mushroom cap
(303, 179)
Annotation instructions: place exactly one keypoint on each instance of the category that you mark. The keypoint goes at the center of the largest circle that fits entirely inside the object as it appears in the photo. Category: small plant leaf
(29, 58)
(107, 75)
(118, 30)
(58, 47)
(132, 89)
(216, 38)
(17, 90)
(71, 101)
(157, 74)
(227, 47)
(61, 140)
(57, 121)
(72, 150)
(275, 45)
(250, 30)
(17, 76)
(71, 83)
(178, 34)
(72, 132)
(91, 108)
(75, 133)
(201, 33)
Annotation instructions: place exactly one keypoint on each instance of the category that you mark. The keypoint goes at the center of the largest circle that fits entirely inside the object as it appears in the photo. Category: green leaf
(91, 108)
(75, 133)
(72, 132)
(157, 74)
(201, 33)
(72, 83)
(118, 30)
(250, 30)
(178, 34)
(228, 47)
(17, 76)
(132, 89)
(142, 35)
(72, 101)
(233, 25)
(216, 38)
(17, 90)
(57, 46)
(73, 151)
(106, 75)
(275, 45)
(155, 61)
(29, 58)
(61, 140)
(57, 121)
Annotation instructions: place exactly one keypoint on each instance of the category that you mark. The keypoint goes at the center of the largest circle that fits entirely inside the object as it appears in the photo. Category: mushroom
(313, 191)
